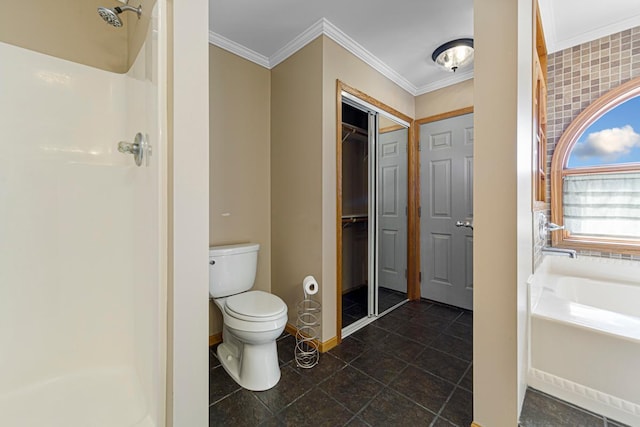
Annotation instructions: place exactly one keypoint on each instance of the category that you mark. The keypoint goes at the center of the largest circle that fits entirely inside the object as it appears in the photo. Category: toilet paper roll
(310, 286)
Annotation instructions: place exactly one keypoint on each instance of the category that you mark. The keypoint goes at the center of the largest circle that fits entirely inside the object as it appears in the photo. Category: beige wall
(296, 174)
(450, 98)
(239, 181)
(73, 30)
(338, 63)
(502, 195)
(302, 168)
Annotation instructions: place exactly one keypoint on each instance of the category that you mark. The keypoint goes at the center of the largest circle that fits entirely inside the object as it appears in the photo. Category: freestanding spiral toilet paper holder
(308, 329)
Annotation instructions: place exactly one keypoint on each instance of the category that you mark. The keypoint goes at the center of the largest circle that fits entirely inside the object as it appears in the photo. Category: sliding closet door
(375, 141)
(392, 208)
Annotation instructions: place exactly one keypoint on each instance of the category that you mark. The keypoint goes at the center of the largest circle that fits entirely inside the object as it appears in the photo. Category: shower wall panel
(66, 258)
(82, 288)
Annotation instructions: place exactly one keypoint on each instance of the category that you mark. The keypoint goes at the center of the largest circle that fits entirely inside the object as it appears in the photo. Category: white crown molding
(338, 36)
(439, 84)
(324, 27)
(236, 48)
(300, 41)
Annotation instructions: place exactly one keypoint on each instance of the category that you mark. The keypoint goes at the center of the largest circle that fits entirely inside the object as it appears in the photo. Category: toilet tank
(232, 268)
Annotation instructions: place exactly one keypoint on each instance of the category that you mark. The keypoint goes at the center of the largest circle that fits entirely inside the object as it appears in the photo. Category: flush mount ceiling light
(454, 54)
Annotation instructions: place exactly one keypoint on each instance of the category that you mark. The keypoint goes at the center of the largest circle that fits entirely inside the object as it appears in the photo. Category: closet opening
(373, 210)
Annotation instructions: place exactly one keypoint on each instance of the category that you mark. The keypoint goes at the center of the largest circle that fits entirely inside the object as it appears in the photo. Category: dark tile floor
(354, 303)
(412, 367)
(543, 410)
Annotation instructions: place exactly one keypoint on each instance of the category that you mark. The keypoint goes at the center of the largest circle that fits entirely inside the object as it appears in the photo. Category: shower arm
(137, 10)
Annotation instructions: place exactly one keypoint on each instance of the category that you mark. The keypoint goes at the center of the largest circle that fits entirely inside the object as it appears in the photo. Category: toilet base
(253, 366)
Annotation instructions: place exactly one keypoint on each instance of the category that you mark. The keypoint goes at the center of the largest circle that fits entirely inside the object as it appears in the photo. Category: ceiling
(569, 23)
(396, 38)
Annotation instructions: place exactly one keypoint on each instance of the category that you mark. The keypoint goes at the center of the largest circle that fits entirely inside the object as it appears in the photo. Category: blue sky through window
(612, 139)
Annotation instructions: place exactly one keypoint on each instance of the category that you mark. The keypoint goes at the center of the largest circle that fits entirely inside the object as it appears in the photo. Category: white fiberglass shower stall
(83, 229)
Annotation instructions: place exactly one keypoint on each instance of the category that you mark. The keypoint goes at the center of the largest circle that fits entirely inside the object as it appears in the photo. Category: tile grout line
(281, 410)
(255, 396)
(313, 387)
(426, 346)
(384, 386)
(446, 402)
(316, 387)
(366, 405)
(278, 413)
(375, 396)
(224, 397)
(457, 385)
(375, 379)
(410, 399)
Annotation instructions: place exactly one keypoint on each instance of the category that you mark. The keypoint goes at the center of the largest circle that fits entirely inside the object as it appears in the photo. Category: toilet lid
(255, 304)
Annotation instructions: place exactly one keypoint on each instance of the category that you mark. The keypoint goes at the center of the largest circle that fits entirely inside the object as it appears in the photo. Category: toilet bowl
(248, 352)
(253, 320)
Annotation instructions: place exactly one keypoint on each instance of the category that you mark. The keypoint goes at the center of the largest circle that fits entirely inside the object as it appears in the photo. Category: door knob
(467, 224)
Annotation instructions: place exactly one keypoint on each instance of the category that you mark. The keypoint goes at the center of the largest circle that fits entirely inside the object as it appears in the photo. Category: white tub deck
(585, 334)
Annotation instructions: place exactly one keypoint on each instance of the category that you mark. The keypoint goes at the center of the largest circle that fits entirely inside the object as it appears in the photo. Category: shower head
(110, 15)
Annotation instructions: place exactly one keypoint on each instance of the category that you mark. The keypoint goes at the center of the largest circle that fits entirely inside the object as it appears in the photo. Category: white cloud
(608, 144)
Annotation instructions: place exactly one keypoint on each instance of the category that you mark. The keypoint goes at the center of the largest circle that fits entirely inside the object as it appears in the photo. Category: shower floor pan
(105, 397)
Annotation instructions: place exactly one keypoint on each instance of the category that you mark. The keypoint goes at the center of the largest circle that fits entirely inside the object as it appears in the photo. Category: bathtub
(584, 334)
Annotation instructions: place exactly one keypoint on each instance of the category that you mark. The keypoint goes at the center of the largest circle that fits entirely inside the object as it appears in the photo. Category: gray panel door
(446, 196)
(392, 202)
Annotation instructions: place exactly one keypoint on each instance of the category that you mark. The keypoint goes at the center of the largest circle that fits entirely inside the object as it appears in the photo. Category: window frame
(565, 145)
(540, 134)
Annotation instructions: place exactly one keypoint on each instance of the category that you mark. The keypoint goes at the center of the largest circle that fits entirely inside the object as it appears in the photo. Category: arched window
(595, 175)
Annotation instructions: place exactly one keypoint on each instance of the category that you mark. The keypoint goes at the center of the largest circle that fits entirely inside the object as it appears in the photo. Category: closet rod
(348, 220)
(349, 133)
(355, 129)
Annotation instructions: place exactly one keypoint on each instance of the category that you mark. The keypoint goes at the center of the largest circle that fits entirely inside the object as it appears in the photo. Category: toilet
(252, 319)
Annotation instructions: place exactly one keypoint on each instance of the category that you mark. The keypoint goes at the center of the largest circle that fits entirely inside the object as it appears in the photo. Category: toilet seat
(255, 306)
